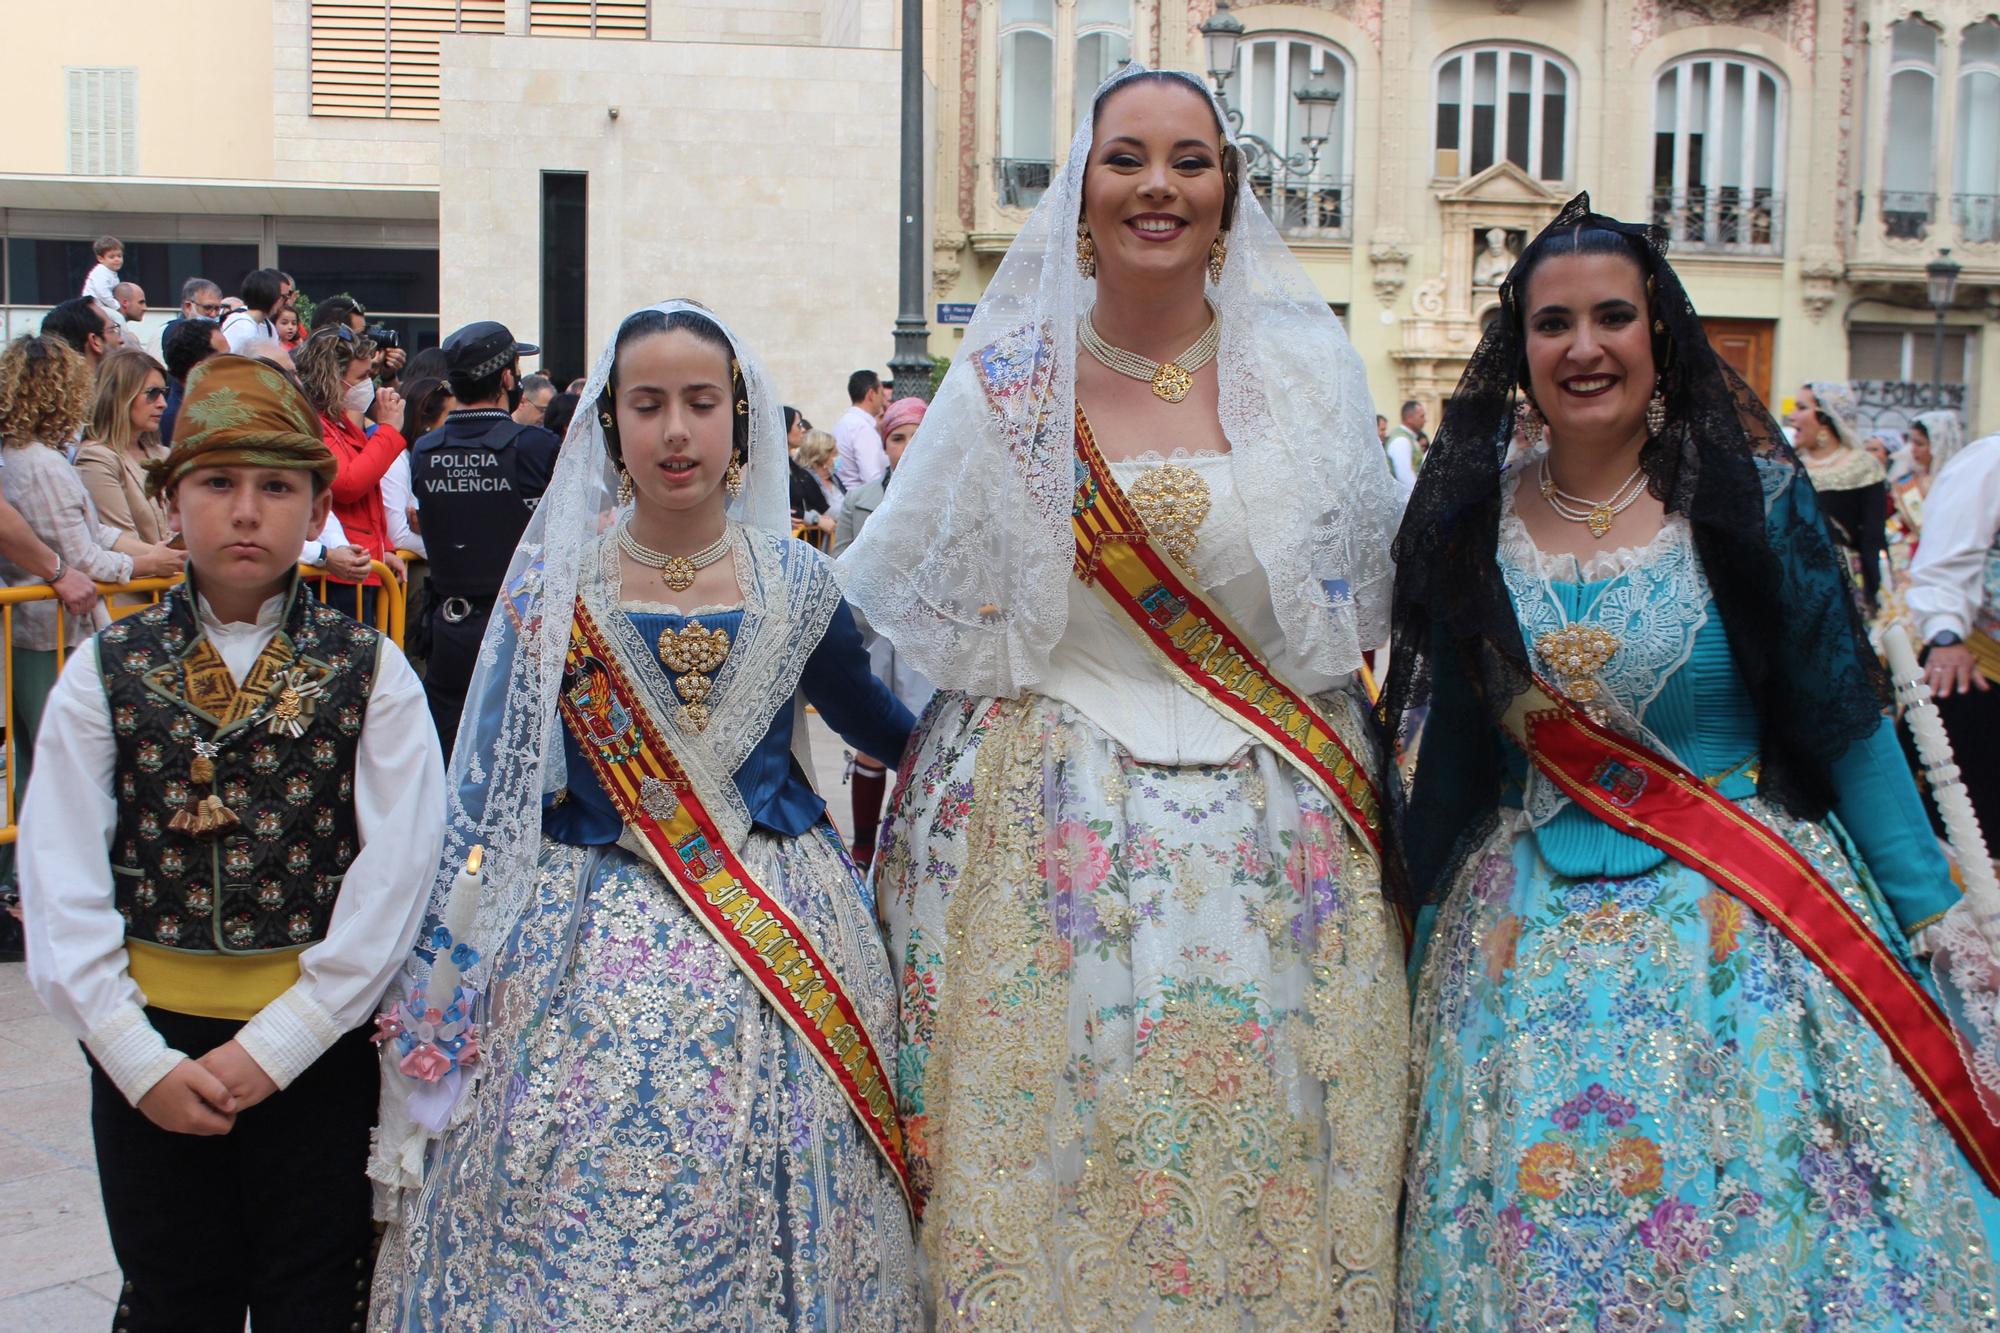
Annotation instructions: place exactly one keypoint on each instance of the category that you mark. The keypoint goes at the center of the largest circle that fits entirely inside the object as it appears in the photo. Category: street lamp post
(1221, 37)
(911, 364)
(1942, 276)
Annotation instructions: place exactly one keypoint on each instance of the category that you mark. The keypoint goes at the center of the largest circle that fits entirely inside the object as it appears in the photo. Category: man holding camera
(476, 480)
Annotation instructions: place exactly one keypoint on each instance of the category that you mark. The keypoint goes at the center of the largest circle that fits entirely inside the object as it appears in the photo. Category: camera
(382, 335)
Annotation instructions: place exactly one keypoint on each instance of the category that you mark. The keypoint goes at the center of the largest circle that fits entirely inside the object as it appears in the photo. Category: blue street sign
(954, 312)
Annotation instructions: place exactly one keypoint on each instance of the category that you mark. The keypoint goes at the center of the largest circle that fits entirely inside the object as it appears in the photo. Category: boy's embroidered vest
(284, 766)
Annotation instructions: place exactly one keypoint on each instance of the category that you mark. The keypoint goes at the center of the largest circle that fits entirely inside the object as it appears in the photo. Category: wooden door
(1746, 345)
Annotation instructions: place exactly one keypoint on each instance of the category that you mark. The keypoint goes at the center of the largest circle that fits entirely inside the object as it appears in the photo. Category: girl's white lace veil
(509, 750)
(965, 566)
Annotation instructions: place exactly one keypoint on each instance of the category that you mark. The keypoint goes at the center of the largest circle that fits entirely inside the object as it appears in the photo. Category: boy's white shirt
(98, 285)
(76, 938)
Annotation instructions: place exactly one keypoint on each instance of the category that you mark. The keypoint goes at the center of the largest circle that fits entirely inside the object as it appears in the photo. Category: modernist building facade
(1810, 158)
(556, 162)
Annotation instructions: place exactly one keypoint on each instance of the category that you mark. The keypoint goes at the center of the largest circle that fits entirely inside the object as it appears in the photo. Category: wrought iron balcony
(1022, 181)
(1977, 217)
(1907, 214)
(1727, 220)
(1307, 208)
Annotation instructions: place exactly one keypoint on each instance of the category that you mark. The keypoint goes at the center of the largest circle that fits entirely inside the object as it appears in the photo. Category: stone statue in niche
(1495, 258)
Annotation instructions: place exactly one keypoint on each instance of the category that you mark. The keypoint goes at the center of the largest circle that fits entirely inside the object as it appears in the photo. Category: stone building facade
(549, 163)
(556, 162)
(1810, 157)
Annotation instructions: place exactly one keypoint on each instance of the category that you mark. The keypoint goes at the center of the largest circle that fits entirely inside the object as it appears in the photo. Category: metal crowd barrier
(122, 599)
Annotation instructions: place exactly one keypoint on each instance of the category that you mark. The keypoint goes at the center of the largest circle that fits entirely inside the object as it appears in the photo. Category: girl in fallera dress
(649, 1134)
(1153, 1006)
(1651, 1095)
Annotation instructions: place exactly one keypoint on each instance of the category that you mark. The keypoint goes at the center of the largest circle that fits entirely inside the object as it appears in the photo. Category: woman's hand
(157, 562)
(350, 564)
(389, 408)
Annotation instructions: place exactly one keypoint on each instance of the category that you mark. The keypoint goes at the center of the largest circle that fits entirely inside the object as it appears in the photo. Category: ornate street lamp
(1222, 37)
(1942, 278)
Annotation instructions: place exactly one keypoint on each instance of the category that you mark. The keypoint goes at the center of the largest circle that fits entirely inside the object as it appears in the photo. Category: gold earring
(1086, 252)
(610, 422)
(732, 479)
(1218, 252)
(1528, 418)
(624, 488)
(1656, 412)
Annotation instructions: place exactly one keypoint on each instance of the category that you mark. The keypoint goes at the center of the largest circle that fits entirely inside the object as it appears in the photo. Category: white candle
(461, 909)
(1954, 803)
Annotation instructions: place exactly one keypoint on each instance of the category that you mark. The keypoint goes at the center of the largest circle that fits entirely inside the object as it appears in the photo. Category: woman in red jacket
(333, 368)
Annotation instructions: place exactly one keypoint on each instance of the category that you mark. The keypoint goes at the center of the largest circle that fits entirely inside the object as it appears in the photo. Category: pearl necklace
(1171, 380)
(676, 571)
(1598, 515)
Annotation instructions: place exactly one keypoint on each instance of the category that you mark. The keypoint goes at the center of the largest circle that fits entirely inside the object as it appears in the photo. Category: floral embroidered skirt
(1642, 1108)
(651, 1147)
(1154, 1033)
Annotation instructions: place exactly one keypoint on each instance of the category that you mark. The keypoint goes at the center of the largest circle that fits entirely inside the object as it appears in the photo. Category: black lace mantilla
(1777, 581)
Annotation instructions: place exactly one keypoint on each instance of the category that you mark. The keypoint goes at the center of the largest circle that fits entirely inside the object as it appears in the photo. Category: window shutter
(380, 59)
(103, 121)
(617, 19)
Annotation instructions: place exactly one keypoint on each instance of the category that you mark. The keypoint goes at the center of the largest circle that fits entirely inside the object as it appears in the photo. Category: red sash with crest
(1655, 800)
(655, 796)
(1203, 650)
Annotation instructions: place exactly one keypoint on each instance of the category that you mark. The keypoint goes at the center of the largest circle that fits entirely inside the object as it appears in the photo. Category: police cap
(485, 347)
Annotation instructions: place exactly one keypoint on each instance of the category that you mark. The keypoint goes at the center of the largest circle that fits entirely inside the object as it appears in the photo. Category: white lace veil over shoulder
(966, 564)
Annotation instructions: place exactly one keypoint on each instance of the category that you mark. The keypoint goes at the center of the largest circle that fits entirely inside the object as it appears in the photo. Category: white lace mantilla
(1655, 600)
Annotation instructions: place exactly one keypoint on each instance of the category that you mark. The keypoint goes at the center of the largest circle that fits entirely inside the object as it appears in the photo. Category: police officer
(476, 480)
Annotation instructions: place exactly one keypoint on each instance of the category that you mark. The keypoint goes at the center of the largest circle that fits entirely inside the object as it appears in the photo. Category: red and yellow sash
(655, 795)
(1655, 800)
(1205, 652)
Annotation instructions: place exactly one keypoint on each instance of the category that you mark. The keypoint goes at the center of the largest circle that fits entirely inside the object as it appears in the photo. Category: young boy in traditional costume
(225, 854)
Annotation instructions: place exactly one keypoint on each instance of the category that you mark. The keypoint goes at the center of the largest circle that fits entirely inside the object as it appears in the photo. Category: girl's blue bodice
(837, 682)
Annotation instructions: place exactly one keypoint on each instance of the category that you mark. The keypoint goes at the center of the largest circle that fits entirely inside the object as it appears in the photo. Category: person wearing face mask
(475, 480)
(333, 367)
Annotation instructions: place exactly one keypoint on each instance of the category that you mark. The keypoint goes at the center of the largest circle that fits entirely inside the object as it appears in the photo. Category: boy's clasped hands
(203, 1096)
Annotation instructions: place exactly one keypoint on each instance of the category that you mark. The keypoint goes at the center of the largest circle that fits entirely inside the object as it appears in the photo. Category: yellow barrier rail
(122, 599)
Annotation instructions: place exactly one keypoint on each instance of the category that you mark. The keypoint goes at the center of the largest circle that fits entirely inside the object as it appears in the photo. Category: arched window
(1908, 186)
(1502, 101)
(1027, 98)
(1975, 173)
(1270, 70)
(1718, 153)
(1103, 43)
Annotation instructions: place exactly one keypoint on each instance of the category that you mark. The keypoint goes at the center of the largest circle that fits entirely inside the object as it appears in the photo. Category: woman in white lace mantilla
(647, 1140)
(1153, 1009)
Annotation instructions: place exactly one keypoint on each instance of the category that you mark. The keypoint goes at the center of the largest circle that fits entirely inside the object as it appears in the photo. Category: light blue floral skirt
(1642, 1108)
(650, 1147)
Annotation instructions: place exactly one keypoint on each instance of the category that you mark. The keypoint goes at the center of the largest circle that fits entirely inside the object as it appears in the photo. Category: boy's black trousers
(271, 1218)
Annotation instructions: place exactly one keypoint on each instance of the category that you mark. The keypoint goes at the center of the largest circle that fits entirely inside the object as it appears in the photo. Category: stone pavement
(56, 1270)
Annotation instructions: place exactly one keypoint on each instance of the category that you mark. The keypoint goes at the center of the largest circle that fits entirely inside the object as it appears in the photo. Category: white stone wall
(758, 179)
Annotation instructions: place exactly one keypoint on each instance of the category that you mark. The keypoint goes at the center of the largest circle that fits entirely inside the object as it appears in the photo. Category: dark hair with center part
(1232, 161)
(646, 323)
(1580, 240)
